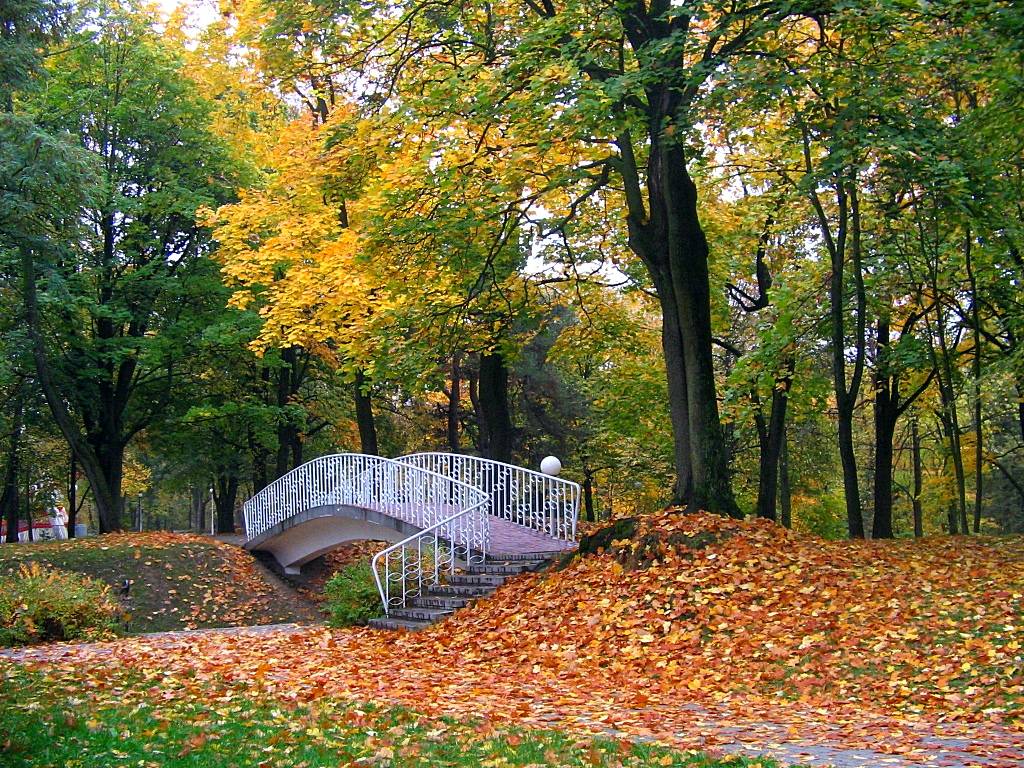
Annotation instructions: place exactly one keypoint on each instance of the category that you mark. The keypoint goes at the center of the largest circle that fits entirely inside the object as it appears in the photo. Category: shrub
(352, 596)
(40, 605)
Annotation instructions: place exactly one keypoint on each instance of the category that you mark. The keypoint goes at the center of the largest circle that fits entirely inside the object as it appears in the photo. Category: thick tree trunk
(454, 398)
(224, 498)
(478, 413)
(678, 402)
(688, 263)
(673, 247)
(494, 407)
(915, 447)
(886, 416)
(785, 495)
(111, 459)
(364, 416)
(9, 495)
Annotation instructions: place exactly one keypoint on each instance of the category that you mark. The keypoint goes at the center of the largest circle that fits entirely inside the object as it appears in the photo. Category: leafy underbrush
(42, 604)
(352, 596)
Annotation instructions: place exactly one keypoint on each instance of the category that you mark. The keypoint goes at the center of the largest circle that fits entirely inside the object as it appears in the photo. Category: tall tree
(106, 356)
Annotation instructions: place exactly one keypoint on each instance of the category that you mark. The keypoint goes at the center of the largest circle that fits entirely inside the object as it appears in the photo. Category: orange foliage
(733, 624)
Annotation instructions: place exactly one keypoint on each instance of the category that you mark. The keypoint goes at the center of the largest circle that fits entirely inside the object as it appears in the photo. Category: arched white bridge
(436, 509)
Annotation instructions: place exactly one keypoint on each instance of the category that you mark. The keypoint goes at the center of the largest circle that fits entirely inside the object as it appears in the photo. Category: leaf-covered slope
(723, 607)
(177, 581)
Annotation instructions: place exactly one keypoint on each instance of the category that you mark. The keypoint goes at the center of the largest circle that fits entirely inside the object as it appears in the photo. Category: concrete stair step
(442, 600)
(500, 569)
(509, 557)
(458, 590)
(448, 603)
(472, 579)
(384, 622)
(420, 614)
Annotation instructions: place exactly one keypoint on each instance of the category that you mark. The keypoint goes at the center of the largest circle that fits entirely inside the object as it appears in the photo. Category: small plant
(352, 596)
(41, 605)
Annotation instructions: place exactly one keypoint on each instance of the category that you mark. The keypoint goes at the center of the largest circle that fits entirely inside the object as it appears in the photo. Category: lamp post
(550, 465)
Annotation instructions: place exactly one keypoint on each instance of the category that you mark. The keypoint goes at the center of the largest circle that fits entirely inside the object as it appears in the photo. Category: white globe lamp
(550, 465)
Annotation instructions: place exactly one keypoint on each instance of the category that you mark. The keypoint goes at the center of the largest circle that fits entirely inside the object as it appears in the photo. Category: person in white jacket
(59, 522)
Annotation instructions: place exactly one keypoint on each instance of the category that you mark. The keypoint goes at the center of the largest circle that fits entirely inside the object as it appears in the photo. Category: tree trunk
(678, 402)
(588, 494)
(96, 466)
(847, 394)
(478, 412)
(886, 414)
(454, 397)
(772, 443)
(785, 495)
(111, 458)
(72, 495)
(979, 455)
(951, 426)
(666, 234)
(494, 407)
(364, 416)
(915, 445)
(27, 496)
(224, 497)
(286, 429)
(9, 495)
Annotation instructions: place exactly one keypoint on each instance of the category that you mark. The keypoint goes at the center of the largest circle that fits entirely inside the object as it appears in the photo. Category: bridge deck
(508, 538)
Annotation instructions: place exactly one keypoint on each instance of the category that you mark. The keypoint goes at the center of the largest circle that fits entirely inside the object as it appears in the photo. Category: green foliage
(822, 515)
(352, 596)
(329, 734)
(41, 605)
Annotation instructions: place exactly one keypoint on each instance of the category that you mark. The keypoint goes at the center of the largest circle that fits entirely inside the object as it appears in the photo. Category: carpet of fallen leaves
(698, 631)
(178, 581)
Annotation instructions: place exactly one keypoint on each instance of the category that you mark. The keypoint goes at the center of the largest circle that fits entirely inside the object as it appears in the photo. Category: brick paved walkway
(508, 538)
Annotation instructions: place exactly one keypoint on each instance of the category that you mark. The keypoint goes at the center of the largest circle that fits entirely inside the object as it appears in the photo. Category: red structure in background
(40, 529)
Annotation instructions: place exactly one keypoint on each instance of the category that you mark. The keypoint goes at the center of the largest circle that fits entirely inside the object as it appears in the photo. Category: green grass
(177, 582)
(46, 726)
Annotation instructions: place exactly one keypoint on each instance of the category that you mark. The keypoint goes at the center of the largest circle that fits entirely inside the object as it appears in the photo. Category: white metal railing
(425, 558)
(532, 499)
(447, 496)
(452, 514)
(413, 494)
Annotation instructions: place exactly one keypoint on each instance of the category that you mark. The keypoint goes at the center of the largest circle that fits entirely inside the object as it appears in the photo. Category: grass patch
(177, 581)
(49, 726)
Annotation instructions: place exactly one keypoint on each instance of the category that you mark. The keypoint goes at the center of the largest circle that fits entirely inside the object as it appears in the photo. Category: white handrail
(447, 496)
(409, 572)
(413, 494)
(532, 499)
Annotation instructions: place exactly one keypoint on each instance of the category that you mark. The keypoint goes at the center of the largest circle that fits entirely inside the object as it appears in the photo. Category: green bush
(40, 605)
(352, 596)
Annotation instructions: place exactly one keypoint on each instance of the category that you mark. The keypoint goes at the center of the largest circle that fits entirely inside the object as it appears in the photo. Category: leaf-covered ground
(46, 727)
(178, 581)
(698, 631)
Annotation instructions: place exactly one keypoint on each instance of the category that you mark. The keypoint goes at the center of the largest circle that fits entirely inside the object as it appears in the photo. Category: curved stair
(461, 589)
